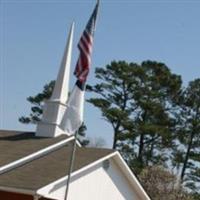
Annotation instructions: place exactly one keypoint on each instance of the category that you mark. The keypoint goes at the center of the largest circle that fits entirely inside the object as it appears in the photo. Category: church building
(35, 165)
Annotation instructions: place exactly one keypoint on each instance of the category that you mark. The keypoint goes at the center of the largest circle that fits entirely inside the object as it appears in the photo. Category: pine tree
(38, 101)
(115, 96)
(187, 156)
(138, 101)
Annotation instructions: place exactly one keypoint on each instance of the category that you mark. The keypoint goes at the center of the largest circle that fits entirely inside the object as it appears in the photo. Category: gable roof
(45, 169)
(16, 144)
(50, 166)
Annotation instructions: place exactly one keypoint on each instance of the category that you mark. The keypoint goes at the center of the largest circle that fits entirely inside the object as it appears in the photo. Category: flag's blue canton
(92, 22)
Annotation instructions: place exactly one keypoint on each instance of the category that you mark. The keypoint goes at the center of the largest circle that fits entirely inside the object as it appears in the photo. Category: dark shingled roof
(49, 168)
(15, 145)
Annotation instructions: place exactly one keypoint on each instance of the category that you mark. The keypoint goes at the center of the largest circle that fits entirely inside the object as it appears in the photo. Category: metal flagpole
(89, 28)
(71, 165)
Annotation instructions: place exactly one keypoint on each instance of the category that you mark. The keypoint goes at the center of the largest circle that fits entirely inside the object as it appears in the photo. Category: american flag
(85, 48)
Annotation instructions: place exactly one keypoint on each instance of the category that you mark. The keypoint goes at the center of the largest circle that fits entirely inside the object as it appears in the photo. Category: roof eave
(131, 177)
(17, 190)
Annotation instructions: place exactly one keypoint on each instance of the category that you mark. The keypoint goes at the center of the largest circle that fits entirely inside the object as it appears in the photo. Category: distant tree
(187, 156)
(37, 103)
(138, 101)
(161, 184)
(96, 142)
(196, 196)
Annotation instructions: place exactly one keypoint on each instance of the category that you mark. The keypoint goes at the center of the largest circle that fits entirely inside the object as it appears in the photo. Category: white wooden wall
(95, 183)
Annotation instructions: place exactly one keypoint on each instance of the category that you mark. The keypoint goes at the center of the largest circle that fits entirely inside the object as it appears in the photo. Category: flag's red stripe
(88, 37)
(86, 43)
(86, 47)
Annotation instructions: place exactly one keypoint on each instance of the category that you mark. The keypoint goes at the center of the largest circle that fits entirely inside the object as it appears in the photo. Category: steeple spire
(54, 108)
(61, 88)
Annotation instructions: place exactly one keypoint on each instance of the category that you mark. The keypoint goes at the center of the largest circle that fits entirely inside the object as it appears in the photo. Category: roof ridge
(98, 148)
(16, 131)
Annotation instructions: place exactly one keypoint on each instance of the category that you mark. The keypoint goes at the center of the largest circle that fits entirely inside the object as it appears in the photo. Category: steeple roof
(61, 88)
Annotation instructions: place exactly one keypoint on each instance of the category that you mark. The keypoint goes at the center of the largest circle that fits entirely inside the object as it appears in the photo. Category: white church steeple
(54, 108)
(61, 88)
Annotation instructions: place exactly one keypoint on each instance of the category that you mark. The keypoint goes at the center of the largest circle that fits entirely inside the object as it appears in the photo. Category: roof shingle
(48, 168)
(15, 145)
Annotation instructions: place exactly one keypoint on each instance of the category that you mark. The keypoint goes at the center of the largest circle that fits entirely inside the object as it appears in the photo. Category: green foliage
(138, 101)
(82, 134)
(187, 154)
(38, 101)
(154, 120)
(196, 196)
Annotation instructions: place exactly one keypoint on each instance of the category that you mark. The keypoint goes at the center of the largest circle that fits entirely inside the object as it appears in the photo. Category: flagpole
(72, 159)
(82, 75)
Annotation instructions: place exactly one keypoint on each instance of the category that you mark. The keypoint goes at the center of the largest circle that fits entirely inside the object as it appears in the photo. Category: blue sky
(33, 35)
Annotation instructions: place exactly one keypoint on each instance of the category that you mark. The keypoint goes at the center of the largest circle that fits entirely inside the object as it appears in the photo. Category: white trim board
(131, 177)
(17, 190)
(34, 156)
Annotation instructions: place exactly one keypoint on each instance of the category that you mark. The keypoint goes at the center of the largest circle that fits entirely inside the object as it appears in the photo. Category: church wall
(95, 183)
(16, 196)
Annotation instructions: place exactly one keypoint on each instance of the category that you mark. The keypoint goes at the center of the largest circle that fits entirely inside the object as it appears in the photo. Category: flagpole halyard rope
(71, 165)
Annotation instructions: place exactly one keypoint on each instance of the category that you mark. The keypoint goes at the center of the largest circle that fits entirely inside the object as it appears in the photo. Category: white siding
(96, 183)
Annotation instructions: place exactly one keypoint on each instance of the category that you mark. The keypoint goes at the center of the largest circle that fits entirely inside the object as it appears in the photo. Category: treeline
(155, 119)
